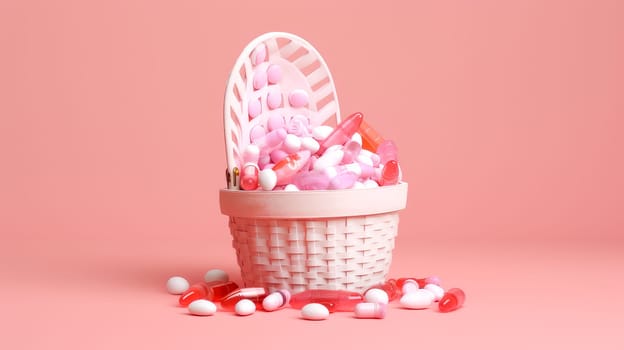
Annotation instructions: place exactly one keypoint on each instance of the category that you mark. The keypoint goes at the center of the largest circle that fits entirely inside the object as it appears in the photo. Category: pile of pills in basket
(287, 152)
(203, 297)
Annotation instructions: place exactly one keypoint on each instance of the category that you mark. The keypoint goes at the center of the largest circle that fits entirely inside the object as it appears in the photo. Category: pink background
(509, 118)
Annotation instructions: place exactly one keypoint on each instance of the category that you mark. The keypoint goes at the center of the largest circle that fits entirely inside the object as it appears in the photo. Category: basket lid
(301, 67)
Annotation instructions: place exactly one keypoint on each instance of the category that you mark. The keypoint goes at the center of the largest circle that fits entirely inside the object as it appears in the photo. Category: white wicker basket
(340, 239)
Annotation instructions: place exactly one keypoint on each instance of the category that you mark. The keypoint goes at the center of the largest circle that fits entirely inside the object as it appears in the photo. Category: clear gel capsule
(196, 291)
(256, 295)
(452, 300)
(249, 177)
(333, 300)
(390, 174)
(219, 291)
(371, 139)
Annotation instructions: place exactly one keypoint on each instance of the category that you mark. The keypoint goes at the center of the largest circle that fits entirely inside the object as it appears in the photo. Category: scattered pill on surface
(409, 286)
(202, 307)
(452, 300)
(244, 307)
(216, 275)
(177, 285)
(437, 291)
(276, 300)
(370, 310)
(314, 312)
(419, 299)
(376, 295)
(298, 98)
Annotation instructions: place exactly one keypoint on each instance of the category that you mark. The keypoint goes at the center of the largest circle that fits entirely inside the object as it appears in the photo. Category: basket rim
(313, 204)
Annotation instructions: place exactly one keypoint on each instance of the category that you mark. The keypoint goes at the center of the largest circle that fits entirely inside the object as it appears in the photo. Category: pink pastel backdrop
(509, 117)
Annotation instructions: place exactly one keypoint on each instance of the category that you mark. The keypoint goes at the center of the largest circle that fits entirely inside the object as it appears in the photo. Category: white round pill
(357, 138)
(177, 285)
(245, 307)
(202, 307)
(291, 188)
(409, 286)
(291, 144)
(321, 132)
(314, 312)
(216, 275)
(437, 291)
(267, 179)
(370, 184)
(419, 299)
(376, 295)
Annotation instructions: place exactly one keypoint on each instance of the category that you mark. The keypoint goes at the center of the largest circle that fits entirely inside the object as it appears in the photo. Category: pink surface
(111, 149)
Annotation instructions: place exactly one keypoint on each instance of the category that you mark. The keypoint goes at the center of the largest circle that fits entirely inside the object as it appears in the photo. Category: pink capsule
(271, 141)
(342, 180)
(370, 310)
(351, 151)
(277, 155)
(289, 166)
(311, 180)
(387, 151)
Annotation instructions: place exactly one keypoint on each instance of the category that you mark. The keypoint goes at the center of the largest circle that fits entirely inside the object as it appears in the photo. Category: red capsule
(196, 291)
(452, 300)
(219, 291)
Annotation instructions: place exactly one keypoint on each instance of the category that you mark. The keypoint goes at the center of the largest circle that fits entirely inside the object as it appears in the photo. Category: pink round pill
(254, 108)
(258, 55)
(276, 121)
(256, 133)
(298, 98)
(260, 79)
(274, 99)
(274, 74)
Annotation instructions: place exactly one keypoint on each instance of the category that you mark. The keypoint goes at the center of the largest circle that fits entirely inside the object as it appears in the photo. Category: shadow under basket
(338, 239)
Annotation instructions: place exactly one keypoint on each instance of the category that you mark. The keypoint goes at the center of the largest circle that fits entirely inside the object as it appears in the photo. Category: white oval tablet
(418, 299)
(315, 312)
(202, 307)
(437, 291)
(376, 295)
(177, 285)
(216, 275)
(245, 307)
